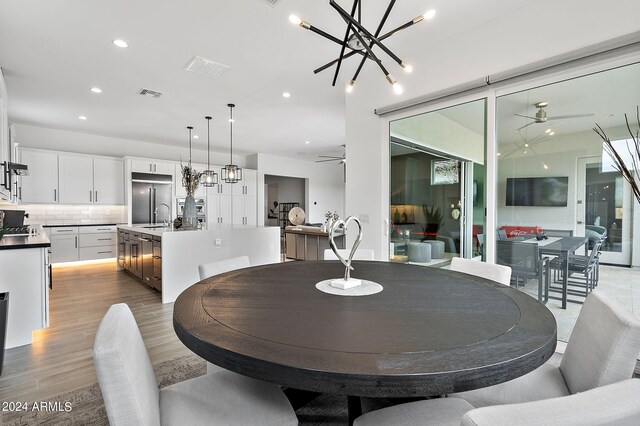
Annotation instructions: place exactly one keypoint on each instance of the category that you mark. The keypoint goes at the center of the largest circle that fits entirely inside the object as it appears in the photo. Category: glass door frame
(488, 97)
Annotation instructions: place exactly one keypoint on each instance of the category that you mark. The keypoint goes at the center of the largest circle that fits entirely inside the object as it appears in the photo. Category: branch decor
(629, 171)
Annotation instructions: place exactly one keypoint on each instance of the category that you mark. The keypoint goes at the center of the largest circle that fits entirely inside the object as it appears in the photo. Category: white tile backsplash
(60, 214)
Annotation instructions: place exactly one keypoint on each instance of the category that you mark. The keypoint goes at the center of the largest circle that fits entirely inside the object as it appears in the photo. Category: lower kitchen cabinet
(64, 244)
(141, 255)
(73, 243)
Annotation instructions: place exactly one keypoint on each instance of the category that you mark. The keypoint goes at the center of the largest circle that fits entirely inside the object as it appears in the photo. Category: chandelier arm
(369, 51)
(382, 22)
(353, 52)
(374, 39)
(344, 43)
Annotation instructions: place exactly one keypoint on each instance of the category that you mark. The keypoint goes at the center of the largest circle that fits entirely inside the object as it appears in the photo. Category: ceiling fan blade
(324, 161)
(561, 117)
(330, 156)
(526, 116)
(526, 125)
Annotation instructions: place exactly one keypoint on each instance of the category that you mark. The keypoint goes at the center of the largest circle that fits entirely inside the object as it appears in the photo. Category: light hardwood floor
(60, 358)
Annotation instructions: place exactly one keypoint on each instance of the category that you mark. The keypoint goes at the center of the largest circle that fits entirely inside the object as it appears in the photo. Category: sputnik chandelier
(359, 41)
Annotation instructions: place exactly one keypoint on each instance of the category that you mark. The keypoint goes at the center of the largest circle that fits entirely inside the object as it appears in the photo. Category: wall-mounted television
(537, 191)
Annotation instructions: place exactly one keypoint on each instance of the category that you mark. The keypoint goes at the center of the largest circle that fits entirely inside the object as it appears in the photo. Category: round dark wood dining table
(430, 331)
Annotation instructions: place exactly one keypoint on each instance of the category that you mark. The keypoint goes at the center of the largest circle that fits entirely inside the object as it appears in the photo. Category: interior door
(604, 205)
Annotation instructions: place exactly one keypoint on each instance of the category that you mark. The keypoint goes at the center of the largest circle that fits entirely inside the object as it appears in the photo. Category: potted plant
(433, 221)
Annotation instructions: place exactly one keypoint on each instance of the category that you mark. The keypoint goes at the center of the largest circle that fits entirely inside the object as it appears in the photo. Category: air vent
(150, 93)
(206, 67)
(270, 2)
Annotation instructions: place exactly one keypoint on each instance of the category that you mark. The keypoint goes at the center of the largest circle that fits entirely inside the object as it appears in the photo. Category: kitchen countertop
(31, 241)
(79, 224)
(153, 228)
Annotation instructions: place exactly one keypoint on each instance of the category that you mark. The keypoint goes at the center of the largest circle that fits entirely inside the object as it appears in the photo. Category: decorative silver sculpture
(347, 282)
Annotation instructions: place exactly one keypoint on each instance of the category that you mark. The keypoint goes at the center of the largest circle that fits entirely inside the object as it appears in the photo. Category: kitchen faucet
(165, 222)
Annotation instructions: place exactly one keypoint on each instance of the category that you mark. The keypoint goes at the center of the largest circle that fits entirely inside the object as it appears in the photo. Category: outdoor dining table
(430, 331)
(562, 247)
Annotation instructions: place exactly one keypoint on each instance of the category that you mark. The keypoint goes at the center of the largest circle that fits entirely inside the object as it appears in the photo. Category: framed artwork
(444, 172)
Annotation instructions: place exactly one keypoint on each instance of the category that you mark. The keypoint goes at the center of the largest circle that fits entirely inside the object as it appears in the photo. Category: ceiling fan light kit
(360, 41)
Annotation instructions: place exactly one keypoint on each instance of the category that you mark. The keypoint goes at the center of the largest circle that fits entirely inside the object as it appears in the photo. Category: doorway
(437, 177)
(281, 194)
(604, 209)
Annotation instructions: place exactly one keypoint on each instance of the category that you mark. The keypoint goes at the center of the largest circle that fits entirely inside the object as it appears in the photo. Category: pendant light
(231, 173)
(209, 178)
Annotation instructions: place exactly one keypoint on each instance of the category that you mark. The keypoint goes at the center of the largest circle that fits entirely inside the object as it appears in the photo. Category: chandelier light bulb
(295, 20)
(407, 68)
(350, 86)
(231, 174)
(397, 88)
(231, 120)
(429, 14)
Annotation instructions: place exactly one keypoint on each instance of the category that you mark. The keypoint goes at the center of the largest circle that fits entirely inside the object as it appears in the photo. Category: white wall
(324, 183)
(482, 51)
(64, 140)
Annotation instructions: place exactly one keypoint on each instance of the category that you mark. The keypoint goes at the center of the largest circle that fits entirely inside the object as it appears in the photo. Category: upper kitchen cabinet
(91, 180)
(41, 184)
(4, 136)
(152, 166)
(108, 181)
(248, 185)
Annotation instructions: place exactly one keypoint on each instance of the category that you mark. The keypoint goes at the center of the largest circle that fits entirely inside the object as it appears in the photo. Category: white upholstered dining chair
(616, 404)
(602, 349)
(360, 254)
(207, 270)
(490, 271)
(131, 394)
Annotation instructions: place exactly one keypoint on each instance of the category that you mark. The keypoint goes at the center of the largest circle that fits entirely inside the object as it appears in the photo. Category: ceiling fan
(541, 115)
(340, 160)
(328, 158)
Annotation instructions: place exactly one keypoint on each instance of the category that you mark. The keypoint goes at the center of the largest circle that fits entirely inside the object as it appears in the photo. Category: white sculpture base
(367, 288)
(342, 284)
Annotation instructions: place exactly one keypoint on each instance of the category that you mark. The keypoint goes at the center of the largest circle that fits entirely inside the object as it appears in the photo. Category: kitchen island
(181, 251)
(25, 276)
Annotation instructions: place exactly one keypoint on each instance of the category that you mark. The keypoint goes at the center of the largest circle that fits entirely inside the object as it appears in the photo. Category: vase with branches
(190, 181)
(628, 169)
(433, 221)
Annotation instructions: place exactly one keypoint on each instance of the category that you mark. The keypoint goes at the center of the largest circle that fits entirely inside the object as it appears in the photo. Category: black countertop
(81, 224)
(32, 241)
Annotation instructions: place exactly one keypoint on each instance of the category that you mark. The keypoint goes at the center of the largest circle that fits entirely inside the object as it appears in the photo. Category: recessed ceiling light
(548, 131)
(552, 133)
(120, 43)
(498, 154)
(96, 90)
(82, 117)
(307, 142)
(196, 137)
(526, 145)
(286, 94)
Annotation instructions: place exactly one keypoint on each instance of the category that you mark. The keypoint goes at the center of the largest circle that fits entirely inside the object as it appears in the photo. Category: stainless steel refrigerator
(149, 191)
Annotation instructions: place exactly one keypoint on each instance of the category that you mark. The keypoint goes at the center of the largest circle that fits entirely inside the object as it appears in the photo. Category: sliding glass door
(437, 177)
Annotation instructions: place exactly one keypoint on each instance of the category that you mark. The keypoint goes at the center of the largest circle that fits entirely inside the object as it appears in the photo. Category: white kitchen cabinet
(219, 208)
(108, 181)
(4, 135)
(75, 174)
(152, 166)
(64, 244)
(244, 210)
(41, 185)
(250, 182)
(90, 180)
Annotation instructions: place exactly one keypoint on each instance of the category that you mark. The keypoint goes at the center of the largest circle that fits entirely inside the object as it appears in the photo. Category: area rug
(87, 406)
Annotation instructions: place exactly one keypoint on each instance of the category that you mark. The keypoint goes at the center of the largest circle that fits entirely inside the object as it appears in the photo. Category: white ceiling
(53, 52)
